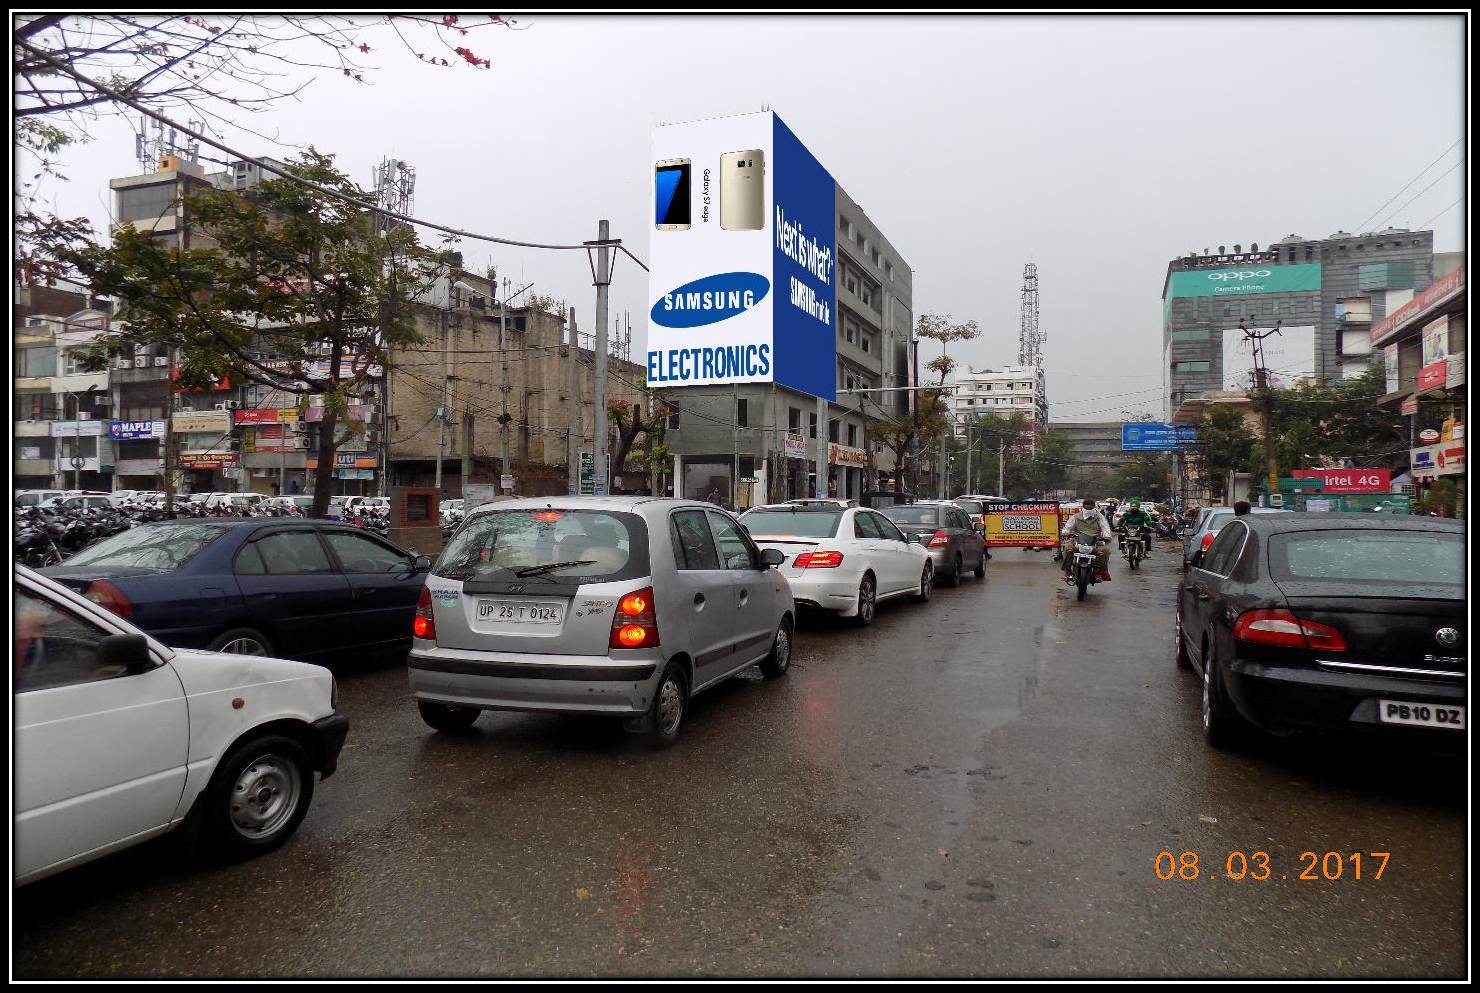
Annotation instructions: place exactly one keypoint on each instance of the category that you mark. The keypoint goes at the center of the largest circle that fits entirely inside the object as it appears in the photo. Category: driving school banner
(1030, 524)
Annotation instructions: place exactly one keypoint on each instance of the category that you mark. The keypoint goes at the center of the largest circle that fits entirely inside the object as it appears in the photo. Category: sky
(1096, 148)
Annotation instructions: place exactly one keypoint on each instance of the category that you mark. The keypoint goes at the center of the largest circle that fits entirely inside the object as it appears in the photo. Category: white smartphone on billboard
(742, 190)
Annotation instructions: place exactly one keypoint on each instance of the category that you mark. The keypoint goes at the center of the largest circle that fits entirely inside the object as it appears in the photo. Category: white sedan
(118, 739)
(843, 559)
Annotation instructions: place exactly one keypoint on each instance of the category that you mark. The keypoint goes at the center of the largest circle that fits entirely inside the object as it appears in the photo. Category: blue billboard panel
(1142, 437)
(804, 241)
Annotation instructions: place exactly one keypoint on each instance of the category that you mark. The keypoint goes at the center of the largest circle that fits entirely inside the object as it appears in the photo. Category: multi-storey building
(1000, 392)
(1323, 294)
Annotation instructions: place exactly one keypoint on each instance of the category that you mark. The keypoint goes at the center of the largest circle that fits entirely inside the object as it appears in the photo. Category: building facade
(1423, 345)
(753, 443)
(523, 397)
(1011, 389)
(60, 433)
(1323, 294)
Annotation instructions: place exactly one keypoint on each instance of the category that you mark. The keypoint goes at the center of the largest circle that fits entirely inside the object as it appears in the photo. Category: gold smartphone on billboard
(673, 194)
(742, 190)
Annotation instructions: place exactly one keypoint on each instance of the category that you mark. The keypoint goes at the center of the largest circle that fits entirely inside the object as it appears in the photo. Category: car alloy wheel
(265, 796)
(244, 646)
(866, 598)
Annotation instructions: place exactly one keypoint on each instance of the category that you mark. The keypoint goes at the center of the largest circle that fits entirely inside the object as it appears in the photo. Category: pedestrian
(1241, 508)
(714, 496)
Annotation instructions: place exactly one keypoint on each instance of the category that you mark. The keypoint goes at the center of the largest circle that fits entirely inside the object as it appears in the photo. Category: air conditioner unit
(141, 361)
(222, 406)
(161, 360)
(141, 349)
(124, 364)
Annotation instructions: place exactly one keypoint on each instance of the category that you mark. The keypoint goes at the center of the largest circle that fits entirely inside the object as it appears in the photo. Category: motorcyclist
(1134, 518)
(1087, 525)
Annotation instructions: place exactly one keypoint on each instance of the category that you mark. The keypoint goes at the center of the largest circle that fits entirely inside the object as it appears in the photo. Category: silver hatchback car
(625, 606)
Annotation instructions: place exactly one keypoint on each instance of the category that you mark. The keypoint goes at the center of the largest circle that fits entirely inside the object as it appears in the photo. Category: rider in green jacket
(1135, 517)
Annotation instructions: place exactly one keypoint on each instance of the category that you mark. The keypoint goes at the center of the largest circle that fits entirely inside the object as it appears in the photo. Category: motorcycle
(1134, 544)
(1083, 570)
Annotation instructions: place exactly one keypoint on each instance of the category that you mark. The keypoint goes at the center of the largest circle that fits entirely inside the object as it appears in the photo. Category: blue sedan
(302, 589)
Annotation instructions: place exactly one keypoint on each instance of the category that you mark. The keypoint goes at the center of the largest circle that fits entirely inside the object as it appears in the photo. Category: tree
(299, 293)
(1052, 461)
(1330, 423)
(630, 424)
(213, 68)
(1225, 444)
(1143, 474)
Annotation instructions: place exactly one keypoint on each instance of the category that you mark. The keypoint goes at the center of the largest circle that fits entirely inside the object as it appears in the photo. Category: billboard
(743, 281)
(1143, 437)
(1027, 524)
(1245, 281)
(1348, 480)
(1289, 356)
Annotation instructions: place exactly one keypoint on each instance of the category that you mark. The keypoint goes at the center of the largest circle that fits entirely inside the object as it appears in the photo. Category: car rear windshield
(149, 546)
(913, 515)
(793, 523)
(568, 545)
(1376, 556)
(971, 506)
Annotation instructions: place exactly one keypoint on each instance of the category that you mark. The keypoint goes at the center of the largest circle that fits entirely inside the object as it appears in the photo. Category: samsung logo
(710, 300)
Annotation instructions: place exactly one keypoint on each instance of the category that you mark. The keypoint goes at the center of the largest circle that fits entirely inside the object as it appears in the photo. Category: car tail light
(1282, 628)
(424, 624)
(1207, 540)
(819, 560)
(110, 597)
(636, 622)
(939, 540)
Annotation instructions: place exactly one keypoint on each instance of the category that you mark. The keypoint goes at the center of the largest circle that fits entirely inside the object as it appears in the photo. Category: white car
(118, 739)
(844, 559)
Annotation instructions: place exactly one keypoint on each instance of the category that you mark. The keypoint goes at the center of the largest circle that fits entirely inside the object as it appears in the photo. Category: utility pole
(467, 458)
(735, 445)
(1001, 466)
(573, 411)
(503, 386)
(822, 452)
(442, 410)
(1256, 338)
(603, 282)
(969, 487)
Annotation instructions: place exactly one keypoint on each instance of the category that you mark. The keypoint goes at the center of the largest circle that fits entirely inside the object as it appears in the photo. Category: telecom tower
(395, 190)
(1030, 338)
(153, 141)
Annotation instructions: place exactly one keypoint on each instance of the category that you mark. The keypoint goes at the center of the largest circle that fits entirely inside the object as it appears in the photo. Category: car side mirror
(129, 653)
(421, 563)
(772, 557)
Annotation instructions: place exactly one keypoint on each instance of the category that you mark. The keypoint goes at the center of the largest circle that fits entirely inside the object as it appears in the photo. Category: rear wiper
(540, 570)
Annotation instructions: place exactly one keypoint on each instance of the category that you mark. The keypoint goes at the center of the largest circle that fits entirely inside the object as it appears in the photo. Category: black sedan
(1329, 622)
(293, 589)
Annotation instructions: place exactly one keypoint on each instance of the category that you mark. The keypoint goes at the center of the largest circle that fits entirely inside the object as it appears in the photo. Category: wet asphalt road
(976, 787)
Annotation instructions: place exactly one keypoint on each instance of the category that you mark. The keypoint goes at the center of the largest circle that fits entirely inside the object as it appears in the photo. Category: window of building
(793, 420)
(863, 340)
(853, 436)
(35, 362)
(742, 413)
(832, 431)
(812, 425)
(1193, 334)
(146, 203)
(1190, 366)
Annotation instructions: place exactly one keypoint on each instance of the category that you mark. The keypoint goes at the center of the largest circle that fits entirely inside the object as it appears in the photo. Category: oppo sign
(1244, 282)
(1223, 276)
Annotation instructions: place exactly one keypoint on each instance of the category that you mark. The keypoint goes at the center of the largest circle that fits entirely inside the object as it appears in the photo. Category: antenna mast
(1030, 338)
(395, 189)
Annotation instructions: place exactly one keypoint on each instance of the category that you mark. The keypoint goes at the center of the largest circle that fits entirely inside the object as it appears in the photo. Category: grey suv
(625, 606)
(946, 531)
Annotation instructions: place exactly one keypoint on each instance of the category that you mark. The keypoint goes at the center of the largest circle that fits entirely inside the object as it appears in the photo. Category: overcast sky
(1097, 148)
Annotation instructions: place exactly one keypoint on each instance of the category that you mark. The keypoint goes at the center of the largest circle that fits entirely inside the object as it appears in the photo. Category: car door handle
(1202, 594)
(698, 599)
(744, 597)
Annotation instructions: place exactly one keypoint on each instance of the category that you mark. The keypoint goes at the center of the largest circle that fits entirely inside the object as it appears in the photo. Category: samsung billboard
(743, 281)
